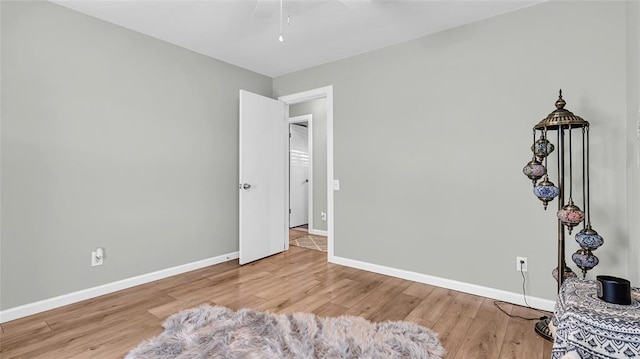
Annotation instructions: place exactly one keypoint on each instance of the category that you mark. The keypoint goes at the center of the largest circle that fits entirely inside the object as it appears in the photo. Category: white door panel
(298, 175)
(263, 167)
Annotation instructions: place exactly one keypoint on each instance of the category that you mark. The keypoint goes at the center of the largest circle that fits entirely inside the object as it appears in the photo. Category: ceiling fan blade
(265, 9)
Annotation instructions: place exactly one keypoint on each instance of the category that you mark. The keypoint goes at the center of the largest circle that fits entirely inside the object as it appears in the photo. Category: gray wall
(633, 147)
(114, 139)
(318, 109)
(110, 139)
(430, 137)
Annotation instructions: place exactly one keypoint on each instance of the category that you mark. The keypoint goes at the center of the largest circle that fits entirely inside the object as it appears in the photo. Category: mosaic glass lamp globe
(546, 191)
(542, 148)
(534, 170)
(570, 215)
(584, 259)
(588, 238)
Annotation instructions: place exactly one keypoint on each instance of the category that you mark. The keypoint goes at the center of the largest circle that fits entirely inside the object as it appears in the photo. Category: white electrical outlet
(97, 257)
(323, 215)
(521, 264)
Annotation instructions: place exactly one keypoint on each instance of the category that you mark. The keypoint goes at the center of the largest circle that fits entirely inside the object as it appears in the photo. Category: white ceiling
(245, 32)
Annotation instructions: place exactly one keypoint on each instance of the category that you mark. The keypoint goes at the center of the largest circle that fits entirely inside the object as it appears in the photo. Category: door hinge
(289, 134)
(289, 210)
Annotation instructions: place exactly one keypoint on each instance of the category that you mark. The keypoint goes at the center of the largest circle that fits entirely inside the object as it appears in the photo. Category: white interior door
(263, 169)
(298, 175)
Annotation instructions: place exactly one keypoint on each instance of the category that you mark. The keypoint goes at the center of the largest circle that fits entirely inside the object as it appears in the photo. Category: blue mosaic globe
(543, 191)
(584, 259)
(546, 191)
(590, 239)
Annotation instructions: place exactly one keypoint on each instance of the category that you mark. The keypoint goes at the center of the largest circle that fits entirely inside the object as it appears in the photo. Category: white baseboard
(70, 298)
(515, 298)
(318, 232)
(66, 299)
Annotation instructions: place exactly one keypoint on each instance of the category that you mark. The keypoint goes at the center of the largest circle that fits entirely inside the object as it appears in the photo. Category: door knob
(246, 186)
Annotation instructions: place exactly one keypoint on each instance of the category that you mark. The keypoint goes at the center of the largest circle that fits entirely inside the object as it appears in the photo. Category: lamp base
(542, 329)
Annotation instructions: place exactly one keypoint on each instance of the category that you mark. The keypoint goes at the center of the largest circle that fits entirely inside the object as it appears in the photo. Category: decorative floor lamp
(569, 215)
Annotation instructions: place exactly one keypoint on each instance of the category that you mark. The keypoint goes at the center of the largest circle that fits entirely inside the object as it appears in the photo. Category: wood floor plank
(331, 274)
(250, 288)
(355, 294)
(183, 290)
(521, 341)
(419, 321)
(489, 329)
(22, 336)
(330, 310)
(398, 309)
(419, 290)
(93, 316)
(371, 304)
(285, 286)
(70, 342)
(363, 276)
(297, 280)
(546, 349)
(237, 275)
(31, 324)
(394, 285)
(434, 304)
(163, 311)
(110, 344)
(294, 301)
(453, 329)
(247, 301)
(107, 316)
(466, 304)
(319, 298)
(249, 281)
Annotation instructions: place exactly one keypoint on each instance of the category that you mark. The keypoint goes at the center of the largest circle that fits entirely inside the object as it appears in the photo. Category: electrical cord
(524, 291)
(495, 302)
(524, 294)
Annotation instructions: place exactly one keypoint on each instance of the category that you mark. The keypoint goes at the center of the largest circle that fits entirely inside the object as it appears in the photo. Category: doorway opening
(305, 230)
(317, 103)
(301, 182)
(301, 172)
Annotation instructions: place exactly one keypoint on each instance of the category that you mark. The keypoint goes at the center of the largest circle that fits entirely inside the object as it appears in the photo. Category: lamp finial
(560, 102)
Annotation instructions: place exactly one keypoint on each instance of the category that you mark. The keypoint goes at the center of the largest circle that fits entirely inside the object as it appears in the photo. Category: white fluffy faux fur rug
(219, 332)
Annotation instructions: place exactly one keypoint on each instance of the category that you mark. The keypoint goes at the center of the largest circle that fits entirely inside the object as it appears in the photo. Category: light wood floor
(302, 238)
(297, 280)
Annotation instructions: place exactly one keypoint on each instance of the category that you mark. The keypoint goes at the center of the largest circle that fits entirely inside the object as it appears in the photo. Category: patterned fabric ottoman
(587, 327)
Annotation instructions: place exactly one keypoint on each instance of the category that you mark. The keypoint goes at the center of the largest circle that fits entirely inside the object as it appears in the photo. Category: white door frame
(327, 93)
(308, 119)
